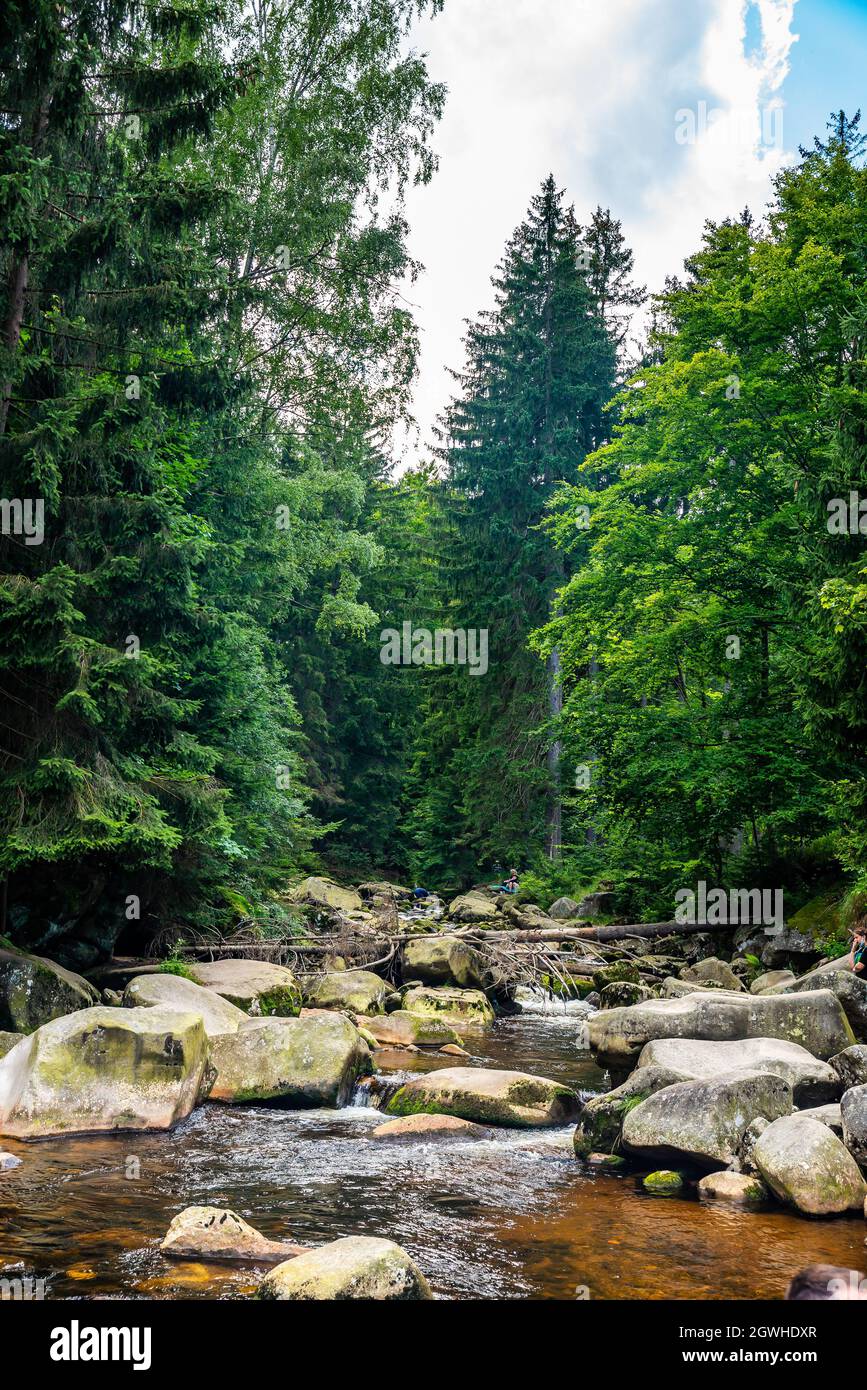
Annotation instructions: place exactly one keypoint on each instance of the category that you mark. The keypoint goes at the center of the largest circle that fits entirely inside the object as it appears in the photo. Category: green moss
(663, 1183)
(175, 966)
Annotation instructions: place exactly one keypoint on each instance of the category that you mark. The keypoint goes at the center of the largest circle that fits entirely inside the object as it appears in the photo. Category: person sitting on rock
(511, 884)
(419, 892)
(859, 949)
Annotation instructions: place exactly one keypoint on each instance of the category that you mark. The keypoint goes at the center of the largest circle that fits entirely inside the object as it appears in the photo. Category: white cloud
(590, 91)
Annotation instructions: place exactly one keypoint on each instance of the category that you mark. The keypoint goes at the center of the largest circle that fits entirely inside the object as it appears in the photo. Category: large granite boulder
(461, 1008)
(850, 1065)
(712, 971)
(601, 1120)
(105, 1069)
(487, 1097)
(851, 990)
(853, 1111)
(258, 987)
(805, 1165)
(357, 991)
(688, 1059)
(770, 979)
(33, 991)
(300, 1062)
(322, 893)
(738, 1188)
(473, 907)
(443, 960)
(563, 909)
(215, 1233)
(403, 1029)
(174, 992)
(356, 1267)
(815, 1020)
(703, 1122)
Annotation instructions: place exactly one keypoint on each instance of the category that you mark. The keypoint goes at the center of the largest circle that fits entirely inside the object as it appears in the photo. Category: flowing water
(514, 1217)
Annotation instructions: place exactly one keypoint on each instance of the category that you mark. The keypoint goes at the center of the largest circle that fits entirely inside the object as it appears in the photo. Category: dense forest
(205, 354)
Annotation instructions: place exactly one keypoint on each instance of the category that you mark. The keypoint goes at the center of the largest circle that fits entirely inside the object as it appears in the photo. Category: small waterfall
(533, 999)
(373, 1092)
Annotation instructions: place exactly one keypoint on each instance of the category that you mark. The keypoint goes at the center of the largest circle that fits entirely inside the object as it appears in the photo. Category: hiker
(511, 884)
(419, 893)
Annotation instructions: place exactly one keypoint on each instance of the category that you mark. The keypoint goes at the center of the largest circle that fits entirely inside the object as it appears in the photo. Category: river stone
(358, 991)
(672, 988)
(814, 1020)
(615, 971)
(830, 1115)
(601, 1120)
(853, 1109)
(473, 907)
(850, 1065)
(732, 1187)
(812, 1082)
(33, 991)
(443, 960)
(431, 1128)
(215, 1233)
(806, 1166)
(487, 1097)
(750, 1138)
(459, 1007)
(663, 1183)
(321, 892)
(257, 987)
(105, 1069)
(404, 1029)
(8, 1041)
(703, 1121)
(712, 971)
(563, 909)
(174, 992)
(850, 989)
(770, 979)
(8, 1162)
(302, 1062)
(357, 1267)
(622, 994)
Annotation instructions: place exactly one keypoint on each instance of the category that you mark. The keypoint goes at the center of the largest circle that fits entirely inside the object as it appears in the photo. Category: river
(516, 1217)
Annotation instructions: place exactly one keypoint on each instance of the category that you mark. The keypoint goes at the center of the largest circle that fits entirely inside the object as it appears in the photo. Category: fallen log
(611, 933)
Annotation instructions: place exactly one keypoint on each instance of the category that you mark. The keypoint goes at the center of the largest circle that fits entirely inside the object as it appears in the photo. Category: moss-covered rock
(358, 991)
(487, 1097)
(805, 1165)
(615, 972)
(737, 1188)
(703, 1122)
(459, 1007)
(323, 893)
(621, 994)
(174, 992)
(473, 907)
(257, 987)
(713, 972)
(105, 1069)
(404, 1029)
(356, 1267)
(34, 990)
(663, 1183)
(443, 960)
(300, 1062)
(601, 1120)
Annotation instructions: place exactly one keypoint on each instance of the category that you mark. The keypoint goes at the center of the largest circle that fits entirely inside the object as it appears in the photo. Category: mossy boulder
(713, 972)
(257, 987)
(356, 1267)
(703, 1122)
(615, 972)
(405, 1029)
(473, 907)
(663, 1183)
(770, 979)
(738, 1188)
(301, 1062)
(459, 1007)
(34, 990)
(850, 1065)
(216, 1233)
(689, 1059)
(358, 991)
(105, 1069)
(621, 994)
(805, 1165)
(850, 989)
(323, 893)
(487, 1097)
(853, 1112)
(174, 992)
(563, 909)
(443, 960)
(601, 1120)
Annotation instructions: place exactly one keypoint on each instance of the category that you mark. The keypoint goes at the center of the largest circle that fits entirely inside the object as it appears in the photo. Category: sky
(666, 111)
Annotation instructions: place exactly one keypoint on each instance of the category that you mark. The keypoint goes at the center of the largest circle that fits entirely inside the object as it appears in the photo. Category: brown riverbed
(516, 1217)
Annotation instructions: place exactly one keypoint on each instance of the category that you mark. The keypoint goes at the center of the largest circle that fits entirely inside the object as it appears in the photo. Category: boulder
(358, 991)
(596, 904)
(473, 907)
(255, 986)
(703, 1122)
(622, 994)
(458, 1007)
(487, 1097)
(301, 1062)
(105, 1069)
(750, 1138)
(657, 965)
(34, 991)
(830, 1115)
(431, 1129)
(712, 971)
(601, 1120)
(812, 1082)
(563, 909)
(174, 992)
(615, 972)
(443, 960)
(322, 893)
(770, 979)
(8, 1041)
(814, 1020)
(663, 1183)
(383, 894)
(8, 1162)
(805, 1165)
(357, 1267)
(850, 1065)
(215, 1233)
(781, 945)
(739, 1188)
(853, 1110)
(403, 1029)
(673, 988)
(849, 988)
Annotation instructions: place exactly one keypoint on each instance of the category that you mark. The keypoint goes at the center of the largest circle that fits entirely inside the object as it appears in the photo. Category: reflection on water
(513, 1217)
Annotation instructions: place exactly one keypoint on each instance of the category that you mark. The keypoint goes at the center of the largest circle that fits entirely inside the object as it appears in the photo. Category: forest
(208, 542)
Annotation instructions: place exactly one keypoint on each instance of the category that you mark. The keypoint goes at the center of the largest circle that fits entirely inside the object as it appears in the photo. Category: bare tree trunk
(555, 807)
